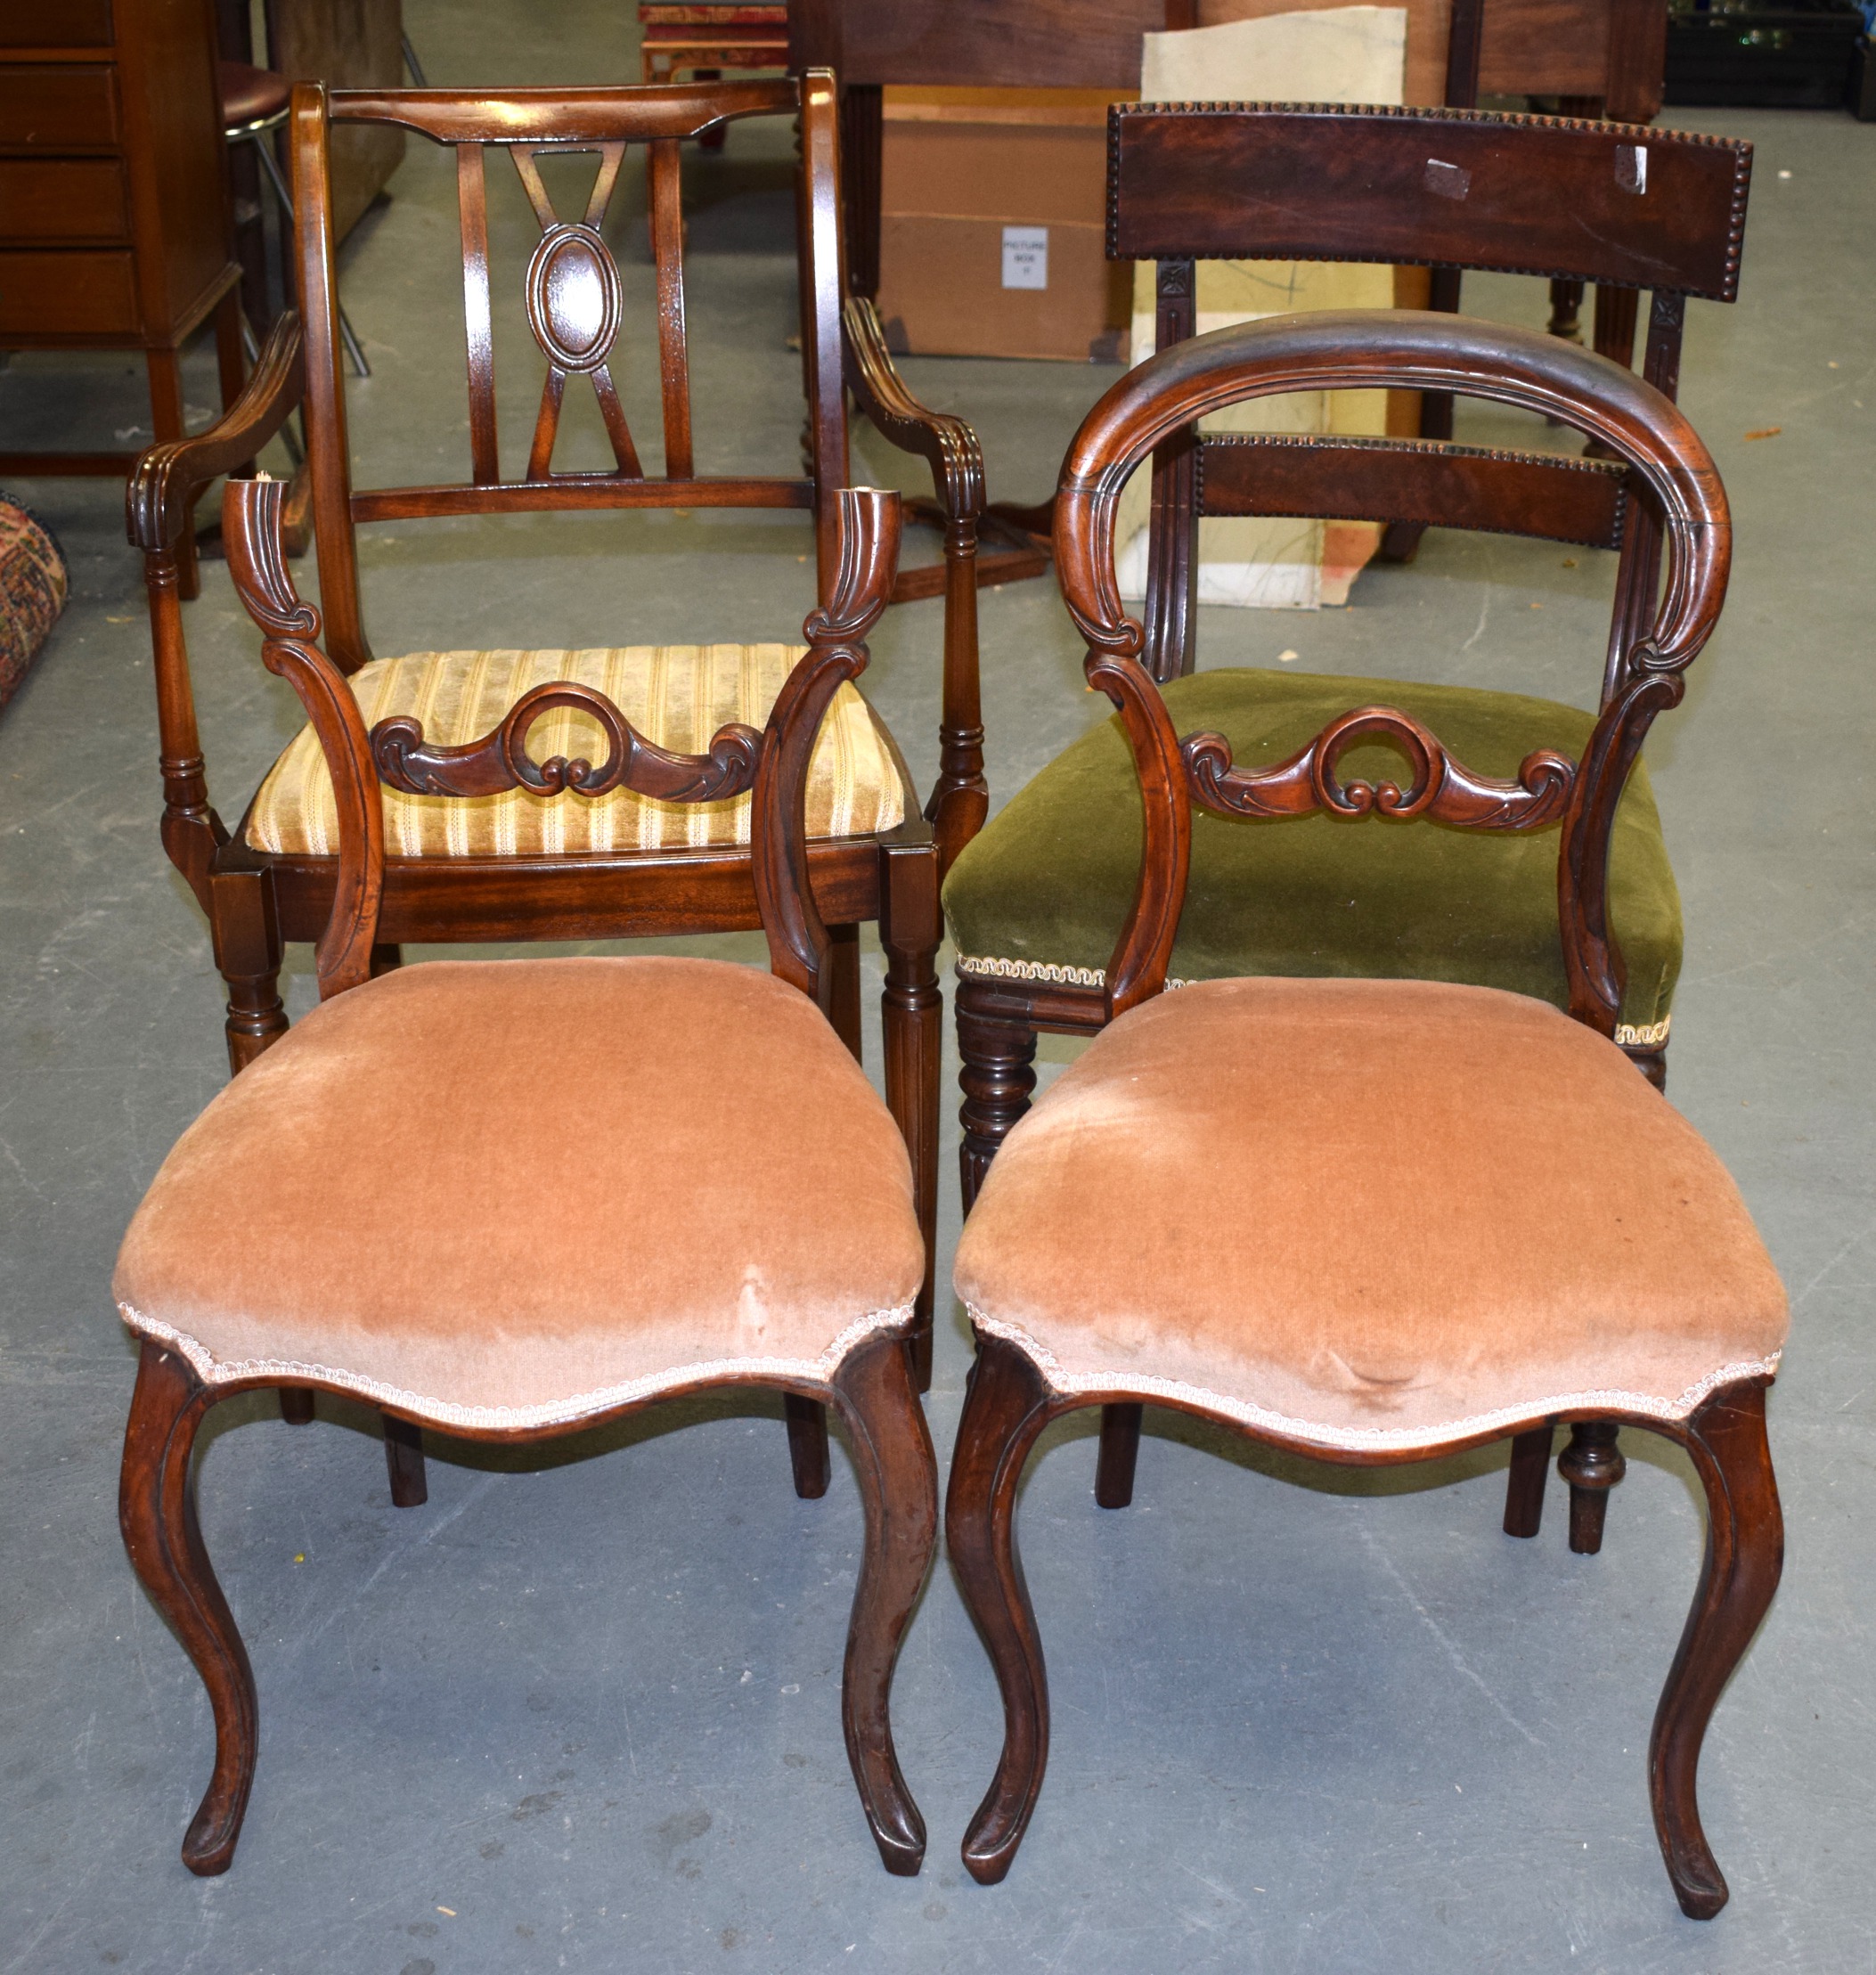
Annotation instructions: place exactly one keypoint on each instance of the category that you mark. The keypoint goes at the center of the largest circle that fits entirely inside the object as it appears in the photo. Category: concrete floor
(580, 1712)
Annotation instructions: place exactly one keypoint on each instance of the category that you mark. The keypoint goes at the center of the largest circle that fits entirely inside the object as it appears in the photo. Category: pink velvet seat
(493, 1194)
(1368, 1214)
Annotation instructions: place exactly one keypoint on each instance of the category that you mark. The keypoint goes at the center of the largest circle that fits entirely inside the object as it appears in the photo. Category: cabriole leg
(1745, 1554)
(912, 1022)
(1566, 298)
(1592, 1464)
(996, 1075)
(156, 1511)
(1007, 1407)
(1120, 1449)
(897, 1476)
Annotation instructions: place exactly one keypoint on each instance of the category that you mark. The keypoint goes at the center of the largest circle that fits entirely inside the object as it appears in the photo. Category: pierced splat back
(575, 303)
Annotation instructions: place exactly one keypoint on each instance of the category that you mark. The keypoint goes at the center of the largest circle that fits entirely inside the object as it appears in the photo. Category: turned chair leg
(1745, 1554)
(156, 1511)
(1566, 298)
(404, 1462)
(807, 1420)
(248, 954)
(295, 1405)
(1592, 1464)
(1005, 1409)
(912, 1025)
(1120, 1449)
(1652, 1063)
(898, 1477)
(996, 1076)
(1524, 1484)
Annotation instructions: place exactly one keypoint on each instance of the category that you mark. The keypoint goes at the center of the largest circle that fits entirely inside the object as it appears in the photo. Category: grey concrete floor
(581, 1711)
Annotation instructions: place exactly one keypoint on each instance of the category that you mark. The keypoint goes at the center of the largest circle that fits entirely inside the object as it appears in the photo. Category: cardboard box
(992, 237)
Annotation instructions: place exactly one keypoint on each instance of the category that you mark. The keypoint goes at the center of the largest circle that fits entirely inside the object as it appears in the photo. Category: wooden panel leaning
(364, 1212)
(271, 879)
(1624, 206)
(1199, 1213)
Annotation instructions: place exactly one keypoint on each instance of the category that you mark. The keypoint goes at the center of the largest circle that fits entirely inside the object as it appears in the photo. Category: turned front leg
(996, 1076)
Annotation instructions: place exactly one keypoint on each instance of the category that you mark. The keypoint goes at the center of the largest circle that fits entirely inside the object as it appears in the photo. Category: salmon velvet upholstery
(678, 695)
(512, 1193)
(1367, 1212)
(1046, 885)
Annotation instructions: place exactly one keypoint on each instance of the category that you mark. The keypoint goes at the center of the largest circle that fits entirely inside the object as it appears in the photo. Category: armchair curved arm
(960, 798)
(252, 534)
(946, 443)
(869, 530)
(1331, 350)
(167, 480)
(164, 485)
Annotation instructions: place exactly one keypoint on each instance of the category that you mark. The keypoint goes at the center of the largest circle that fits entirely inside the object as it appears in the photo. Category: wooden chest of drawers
(113, 193)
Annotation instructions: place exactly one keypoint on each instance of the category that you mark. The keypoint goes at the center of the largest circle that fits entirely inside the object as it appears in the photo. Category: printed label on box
(1025, 257)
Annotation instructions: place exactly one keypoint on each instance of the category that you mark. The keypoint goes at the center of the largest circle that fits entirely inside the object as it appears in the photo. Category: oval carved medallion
(572, 296)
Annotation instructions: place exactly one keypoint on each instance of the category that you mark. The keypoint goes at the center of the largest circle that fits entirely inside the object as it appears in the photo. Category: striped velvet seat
(677, 695)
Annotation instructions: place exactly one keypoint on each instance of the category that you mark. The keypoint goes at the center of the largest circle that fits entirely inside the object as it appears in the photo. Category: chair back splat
(1622, 205)
(575, 301)
(1663, 461)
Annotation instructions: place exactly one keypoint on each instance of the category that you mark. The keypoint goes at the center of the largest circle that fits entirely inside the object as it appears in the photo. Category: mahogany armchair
(1036, 902)
(358, 1214)
(531, 863)
(1372, 1221)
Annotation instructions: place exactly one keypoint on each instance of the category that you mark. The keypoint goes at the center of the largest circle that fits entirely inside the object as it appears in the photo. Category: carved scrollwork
(500, 760)
(262, 577)
(1439, 787)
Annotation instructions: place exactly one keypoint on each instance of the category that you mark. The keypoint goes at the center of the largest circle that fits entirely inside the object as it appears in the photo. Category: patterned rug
(33, 586)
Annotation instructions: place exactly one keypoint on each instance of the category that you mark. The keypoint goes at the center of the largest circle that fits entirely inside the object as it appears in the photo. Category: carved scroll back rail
(1442, 789)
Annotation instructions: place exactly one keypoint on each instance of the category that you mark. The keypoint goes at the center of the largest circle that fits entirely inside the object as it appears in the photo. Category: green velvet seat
(1041, 893)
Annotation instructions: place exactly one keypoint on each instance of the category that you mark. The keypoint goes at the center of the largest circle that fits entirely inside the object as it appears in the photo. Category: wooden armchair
(534, 864)
(369, 1210)
(1372, 1220)
(1036, 902)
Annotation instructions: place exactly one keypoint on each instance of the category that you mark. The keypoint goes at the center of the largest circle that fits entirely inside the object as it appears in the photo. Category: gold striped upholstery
(676, 694)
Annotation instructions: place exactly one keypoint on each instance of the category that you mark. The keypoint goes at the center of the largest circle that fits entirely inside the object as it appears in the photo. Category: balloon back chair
(373, 1209)
(1035, 903)
(1372, 1221)
(542, 861)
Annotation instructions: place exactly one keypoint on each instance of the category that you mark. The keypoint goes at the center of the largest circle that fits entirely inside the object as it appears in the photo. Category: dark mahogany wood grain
(1006, 1407)
(1549, 495)
(1008, 1404)
(1524, 195)
(115, 222)
(156, 1511)
(894, 1465)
